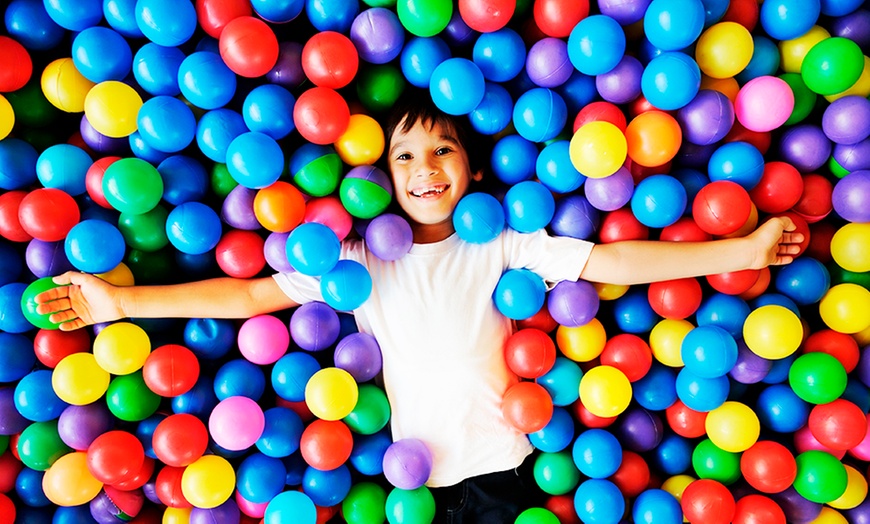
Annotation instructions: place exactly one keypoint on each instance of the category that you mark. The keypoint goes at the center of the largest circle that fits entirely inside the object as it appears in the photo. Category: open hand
(80, 300)
(775, 242)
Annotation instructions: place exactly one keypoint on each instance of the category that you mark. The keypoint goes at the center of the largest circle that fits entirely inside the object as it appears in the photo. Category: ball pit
(158, 141)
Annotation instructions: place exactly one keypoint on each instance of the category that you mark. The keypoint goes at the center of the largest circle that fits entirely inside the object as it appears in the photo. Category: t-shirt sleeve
(305, 288)
(552, 258)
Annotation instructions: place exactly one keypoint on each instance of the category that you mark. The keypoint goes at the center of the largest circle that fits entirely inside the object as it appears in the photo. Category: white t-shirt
(442, 341)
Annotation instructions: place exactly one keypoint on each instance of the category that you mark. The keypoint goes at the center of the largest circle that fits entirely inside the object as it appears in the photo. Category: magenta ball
(805, 147)
(314, 326)
(263, 339)
(78, 426)
(573, 304)
(850, 196)
(707, 118)
(847, 120)
(236, 423)
(764, 103)
(377, 35)
(612, 192)
(389, 236)
(547, 62)
(407, 463)
(621, 84)
(360, 355)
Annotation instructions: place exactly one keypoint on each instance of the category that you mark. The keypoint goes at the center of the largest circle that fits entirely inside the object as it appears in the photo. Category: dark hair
(417, 106)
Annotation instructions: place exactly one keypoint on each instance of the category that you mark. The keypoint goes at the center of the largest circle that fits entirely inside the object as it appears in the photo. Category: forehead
(430, 127)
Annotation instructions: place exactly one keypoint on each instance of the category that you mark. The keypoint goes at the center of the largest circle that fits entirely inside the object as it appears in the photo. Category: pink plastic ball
(764, 103)
(330, 212)
(236, 423)
(263, 339)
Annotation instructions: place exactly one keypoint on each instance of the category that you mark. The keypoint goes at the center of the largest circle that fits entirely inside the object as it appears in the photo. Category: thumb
(71, 277)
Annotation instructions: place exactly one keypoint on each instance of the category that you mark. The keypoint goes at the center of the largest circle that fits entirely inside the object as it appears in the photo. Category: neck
(431, 233)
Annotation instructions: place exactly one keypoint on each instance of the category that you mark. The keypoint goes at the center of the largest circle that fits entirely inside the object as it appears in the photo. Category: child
(432, 310)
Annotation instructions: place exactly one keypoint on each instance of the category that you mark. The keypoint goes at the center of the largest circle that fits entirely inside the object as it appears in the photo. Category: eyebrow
(448, 138)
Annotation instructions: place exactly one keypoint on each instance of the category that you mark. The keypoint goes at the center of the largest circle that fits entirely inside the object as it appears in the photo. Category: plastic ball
(68, 482)
(255, 160)
(707, 118)
(420, 57)
(132, 185)
(770, 93)
(670, 81)
(838, 425)
(519, 294)
(673, 25)
(598, 149)
(312, 249)
(29, 23)
(170, 370)
(407, 464)
(823, 59)
(527, 406)
(166, 124)
(782, 22)
(539, 114)
(193, 228)
(331, 393)
(820, 476)
(817, 378)
(321, 115)
(733, 426)
(445, 82)
(101, 54)
(208, 482)
(78, 379)
(362, 142)
(597, 453)
(111, 108)
(365, 191)
(596, 44)
(500, 55)
(236, 423)
(605, 391)
(562, 382)
(248, 46)
(64, 87)
(528, 206)
(314, 326)
(205, 80)
(599, 500)
(768, 466)
(842, 308)
(721, 207)
(389, 236)
(653, 138)
(723, 50)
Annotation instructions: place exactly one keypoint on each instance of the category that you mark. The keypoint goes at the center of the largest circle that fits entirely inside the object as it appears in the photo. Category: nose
(427, 167)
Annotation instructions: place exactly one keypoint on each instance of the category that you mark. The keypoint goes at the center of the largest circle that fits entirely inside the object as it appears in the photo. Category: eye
(403, 156)
(443, 151)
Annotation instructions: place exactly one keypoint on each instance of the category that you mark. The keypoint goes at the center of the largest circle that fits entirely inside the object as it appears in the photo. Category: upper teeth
(425, 190)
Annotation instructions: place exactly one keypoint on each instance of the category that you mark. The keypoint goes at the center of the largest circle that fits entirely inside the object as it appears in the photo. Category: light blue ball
(701, 394)
(268, 109)
(166, 22)
(500, 55)
(193, 228)
(255, 160)
(513, 159)
(765, 60)
(331, 15)
(540, 114)
(658, 201)
(779, 409)
(671, 25)
(346, 286)
(596, 44)
(739, 162)
(101, 54)
(312, 249)
(155, 68)
(420, 56)
(75, 15)
(290, 506)
(35, 398)
(478, 218)
(656, 390)
(519, 294)
(670, 80)
(788, 19)
(709, 351)
(64, 166)
(597, 453)
(239, 378)
(281, 434)
(278, 12)
(728, 312)
(94, 246)
(557, 434)
(166, 123)
(184, 179)
(326, 488)
(121, 16)
(493, 114)
(290, 374)
(562, 382)
(528, 206)
(457, 86)
(216, 130)
(28, 22)
(555, 169)
(259, 478)
(599, 501)
(806, 280)
(655, 506)
(205, 80)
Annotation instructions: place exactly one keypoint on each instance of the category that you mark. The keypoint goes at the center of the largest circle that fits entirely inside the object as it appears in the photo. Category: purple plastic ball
(621, 84)
(314, 326)
(796, 507)
(360, 355)
(695, 156)
(860, 514)
(226, 513)
(855, 26)
(850, 196)
(575, 217)
(707, 118)
(638, 429)
(389, 236)
(547, 62)
(105, 511)
(612, 192)
(749, 368)
(101, 143)
(288, 70)
(573, 304)
(11, 421)
(853, 157)
(78, 426)
(275, 252)
(847, 120)
(457, 33)
(805, 147)
(46, 258)
(407, 463)
(237, 209)
(377, 35)
(862, 370)
(626, 12)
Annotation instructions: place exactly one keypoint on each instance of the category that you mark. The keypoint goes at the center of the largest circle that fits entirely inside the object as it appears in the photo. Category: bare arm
(86, 299)
(640, 262)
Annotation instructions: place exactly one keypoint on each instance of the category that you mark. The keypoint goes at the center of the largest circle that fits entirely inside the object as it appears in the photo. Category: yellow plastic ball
(582, 343)
(724, 50)
(666, 339)
(733, 426)
(79, 380)
(846, 308)
(829, 516)
(792, 52)
(861, 87)
(363, 141)
(208, 482)
(7, 117)
(856, 490)
(120, 275)
(64, 87)
(112, 108)
(121, 348)
(598, 149)
(677, 484)
(609, 291)
(605, 391)
(176, 516)
(772, 332)
(850, 247)
(331, 394)
(862, 337)
(68, 482)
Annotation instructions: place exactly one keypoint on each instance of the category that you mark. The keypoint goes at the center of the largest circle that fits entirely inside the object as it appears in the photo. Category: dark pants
(494, 498)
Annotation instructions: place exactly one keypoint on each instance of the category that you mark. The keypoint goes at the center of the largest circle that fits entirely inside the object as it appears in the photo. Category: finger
(54, 306)
(54, 293)
(787, 223)
(63, 316)
(789, 249)
(72, 325)
(64, 278)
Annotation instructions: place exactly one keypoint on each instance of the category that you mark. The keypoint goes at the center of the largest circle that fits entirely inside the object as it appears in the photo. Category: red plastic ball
(10, 467)
(7, 509)
(685, 229)
(633, 475)
(214, 15)
(248, 46)
(48, 214)
(326, 444)
(759, 287)
(180, 439)
(621, 225)
(330, 212)
(758, 509)
(768, 466)
(239, 253)
(802, 227)
(329, 59)
(838, 425)
(685, 421)
(530, 353)
(744, 12)
(557, 18)
(815, 202)
(10, 226)
(170, 370)
(600, 111)
(734, 282)
(779, 189)
(542, 320)
(115, 456)
(167, 487)
(841, 346)
(675, 299)
(628, 353)
(563, 507)
(588, 419)
(760, 139)
(139, 479)
(94, 180)
(819, 246)
(707, 501)
(16, 67)
(527, 406)
(486, 16)
(52, 345)
(321, 115)
(721, 207)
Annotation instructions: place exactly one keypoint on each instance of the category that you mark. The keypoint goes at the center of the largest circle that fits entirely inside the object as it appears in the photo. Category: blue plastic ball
(555, 169)
(326, 488)
(63, 166)
(838, 8)
(166, 123)
(739, 162)
(28, 22)
(596, 44)
(281, 434)
(255, 160)
(656, 506)
(17, 163)
(765, 60)
(239, 377)
(788, 19)
(216, 130)
(368, 452)
(200, 400)
(806, 280)
(540, 114)
(578, 91)
(420, 56)
(331, 15)
(121, 16)
(156, 67)
(17, 358)
(574, 217)
(193, 228)
(313, 249)
(633, 313)
(290, 374)
(28, 487)
(75, 15)
(346, 286)
(599, 501)
(728, 312)
(278, 12)
(101, 54)
(209, 338)
(701, 394)
(528, 206)
(557, 434)
(268, 109)
(562, 382)
(673, 455)
(775, 299)
(457, 86)
(493, 114)
(72, 514)
(94, 246)
(500, 55)
(205, 80)
(35, 399)
(290, 506)
(597, 453)
(478, 218)
(658, 201)
(709, 351)
(779, 369)
(657, 390)
(779, 409)
(166, 22)
(184, 179)
(513, 159)
(670, 80)
(519, 294)
(259, 478)
(671, 25)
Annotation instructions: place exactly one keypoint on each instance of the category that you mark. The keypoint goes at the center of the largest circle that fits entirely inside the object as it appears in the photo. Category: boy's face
(430, 174)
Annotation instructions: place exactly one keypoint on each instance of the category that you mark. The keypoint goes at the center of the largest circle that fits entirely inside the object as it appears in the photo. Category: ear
(477, 176)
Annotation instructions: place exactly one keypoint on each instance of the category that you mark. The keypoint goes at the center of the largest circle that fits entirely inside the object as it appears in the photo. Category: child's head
(432, 158)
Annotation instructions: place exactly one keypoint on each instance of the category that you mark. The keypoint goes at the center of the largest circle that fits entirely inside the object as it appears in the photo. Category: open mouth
(430, 191)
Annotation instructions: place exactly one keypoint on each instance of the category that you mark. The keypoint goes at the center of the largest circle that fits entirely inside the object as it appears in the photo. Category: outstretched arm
(84, 299)
(641, 262)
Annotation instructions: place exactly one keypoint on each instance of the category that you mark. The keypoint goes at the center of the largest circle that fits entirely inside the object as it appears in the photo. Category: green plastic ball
(804, 98)
(132, 185)
(379, 86)
(4, 443)
(222, 182)
(817, 377)
(364, 504)
(28, 303)
(146, 231)
(832, 66)
(40, 445)
(414, 506)
(372, 411)
(151, 267)
(424, 17)
(821, 477)
(320, 176)
(365, 192)
(836, 169)
(556, 473)
(842, 276)
(30, 106)
(129, 398)
(712, 462)
(537, 516)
